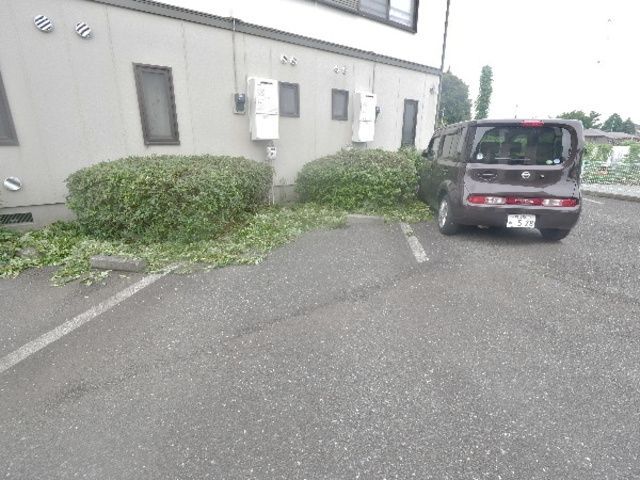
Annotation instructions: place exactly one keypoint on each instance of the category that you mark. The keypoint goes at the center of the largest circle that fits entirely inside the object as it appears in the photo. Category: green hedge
(166, 197)
(358, 179)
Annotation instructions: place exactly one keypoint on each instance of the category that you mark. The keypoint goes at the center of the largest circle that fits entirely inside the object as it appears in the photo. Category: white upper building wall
(316, 20)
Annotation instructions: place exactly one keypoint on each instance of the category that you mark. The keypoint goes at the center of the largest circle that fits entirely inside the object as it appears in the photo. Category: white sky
(550, 56)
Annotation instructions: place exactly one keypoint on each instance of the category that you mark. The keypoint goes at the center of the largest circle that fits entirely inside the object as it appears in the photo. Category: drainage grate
(13, 218)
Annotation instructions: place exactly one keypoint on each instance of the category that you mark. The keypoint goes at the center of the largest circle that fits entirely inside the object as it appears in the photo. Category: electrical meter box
(364, 118)
(264, 108)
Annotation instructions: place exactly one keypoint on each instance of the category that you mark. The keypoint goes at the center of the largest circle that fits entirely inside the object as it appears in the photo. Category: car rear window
(515, 145)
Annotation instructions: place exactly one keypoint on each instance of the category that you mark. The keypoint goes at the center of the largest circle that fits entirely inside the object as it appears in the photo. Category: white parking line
(592, 201)
(415, 245)
(70, 325)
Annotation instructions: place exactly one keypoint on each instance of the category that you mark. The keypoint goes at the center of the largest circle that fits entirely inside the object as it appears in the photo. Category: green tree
(592, 120)
(484, 95)
(455, 105)
(613, 123)
(628, 127)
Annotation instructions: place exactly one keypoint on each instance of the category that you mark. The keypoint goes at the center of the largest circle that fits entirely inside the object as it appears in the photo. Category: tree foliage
(455, 105)
(591, 120)
(484, 96)
(629, 127)
(613, 124)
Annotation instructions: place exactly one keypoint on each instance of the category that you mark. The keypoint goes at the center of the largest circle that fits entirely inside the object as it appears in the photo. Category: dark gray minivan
(505, 173)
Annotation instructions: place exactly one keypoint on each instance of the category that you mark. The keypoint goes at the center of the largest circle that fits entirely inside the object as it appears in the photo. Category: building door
(409, 122)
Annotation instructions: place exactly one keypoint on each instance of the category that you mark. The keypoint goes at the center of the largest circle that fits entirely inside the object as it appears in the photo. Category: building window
(157, 105)
(7, 130)
(289, 99)
(399, 13)
(409, 123)
(339, 104)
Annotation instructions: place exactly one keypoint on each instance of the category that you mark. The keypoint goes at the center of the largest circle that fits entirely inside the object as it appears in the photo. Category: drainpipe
(444, 50)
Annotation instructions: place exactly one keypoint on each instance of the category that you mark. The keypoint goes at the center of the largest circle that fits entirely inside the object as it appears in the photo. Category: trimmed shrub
(358, 179)
(166, 197)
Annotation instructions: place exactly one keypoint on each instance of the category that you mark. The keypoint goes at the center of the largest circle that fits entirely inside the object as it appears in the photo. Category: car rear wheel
(445, 224)
(554, 234)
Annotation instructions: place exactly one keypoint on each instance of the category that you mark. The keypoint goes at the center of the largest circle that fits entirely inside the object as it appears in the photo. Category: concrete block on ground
(113, 262)
(364, 220)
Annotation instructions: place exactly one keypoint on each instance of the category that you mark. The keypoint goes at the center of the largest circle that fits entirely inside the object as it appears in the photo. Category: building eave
(229, 23)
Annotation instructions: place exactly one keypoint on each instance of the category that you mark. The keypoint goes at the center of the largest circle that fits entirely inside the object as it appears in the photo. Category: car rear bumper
(496, 216)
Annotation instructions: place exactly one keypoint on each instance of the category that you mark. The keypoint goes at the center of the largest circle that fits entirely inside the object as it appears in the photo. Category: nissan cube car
(505, 173)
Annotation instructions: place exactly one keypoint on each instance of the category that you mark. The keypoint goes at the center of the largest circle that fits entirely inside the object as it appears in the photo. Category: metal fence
(605, 173)
(608, 165)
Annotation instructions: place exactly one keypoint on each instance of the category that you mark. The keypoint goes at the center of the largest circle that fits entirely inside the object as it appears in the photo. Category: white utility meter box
(364, 118)
(264, 108)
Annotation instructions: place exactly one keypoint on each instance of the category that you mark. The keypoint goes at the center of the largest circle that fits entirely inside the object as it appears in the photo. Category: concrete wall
(74, 101)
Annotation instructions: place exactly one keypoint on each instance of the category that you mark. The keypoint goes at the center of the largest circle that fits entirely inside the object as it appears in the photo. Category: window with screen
(289, 99)
(339, 104)
(398, 12)
(157, 105)
(7, 130)
(409, 123)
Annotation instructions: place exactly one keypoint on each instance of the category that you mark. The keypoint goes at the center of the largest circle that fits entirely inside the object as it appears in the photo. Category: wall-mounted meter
(264, 108)
(364, 118)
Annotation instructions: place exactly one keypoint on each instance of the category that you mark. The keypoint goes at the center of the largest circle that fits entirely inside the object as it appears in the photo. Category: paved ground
(342, 357)
(620, 192)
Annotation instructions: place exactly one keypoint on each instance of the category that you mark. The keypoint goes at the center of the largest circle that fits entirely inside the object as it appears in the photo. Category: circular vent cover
(83, 30)
(43, 23)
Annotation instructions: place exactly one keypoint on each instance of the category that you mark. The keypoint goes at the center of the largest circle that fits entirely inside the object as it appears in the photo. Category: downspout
(444, 50)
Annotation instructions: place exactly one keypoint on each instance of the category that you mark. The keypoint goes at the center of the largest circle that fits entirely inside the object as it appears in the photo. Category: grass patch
(413, 211)
(246, 242)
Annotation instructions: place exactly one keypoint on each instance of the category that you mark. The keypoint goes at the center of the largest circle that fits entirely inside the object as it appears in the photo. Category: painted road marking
(415, 245)
(593, 201)
(70, 325)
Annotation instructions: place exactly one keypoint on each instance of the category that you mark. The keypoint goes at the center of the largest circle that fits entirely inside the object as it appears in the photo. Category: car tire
(554, 234)
(445, 224)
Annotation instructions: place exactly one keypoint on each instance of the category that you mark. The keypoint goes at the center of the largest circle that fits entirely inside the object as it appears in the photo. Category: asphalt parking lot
(341, 356)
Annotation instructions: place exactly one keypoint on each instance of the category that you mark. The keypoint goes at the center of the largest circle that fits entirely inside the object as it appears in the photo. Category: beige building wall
(74, 101)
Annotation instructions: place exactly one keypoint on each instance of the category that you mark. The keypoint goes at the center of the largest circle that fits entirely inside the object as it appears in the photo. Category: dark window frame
(415, 122)
(296, 87)
(174, 139)
(412, 29)
(12, 139)
(344, 117)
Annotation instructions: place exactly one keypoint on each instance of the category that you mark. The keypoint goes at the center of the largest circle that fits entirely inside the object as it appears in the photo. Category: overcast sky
(550, 56)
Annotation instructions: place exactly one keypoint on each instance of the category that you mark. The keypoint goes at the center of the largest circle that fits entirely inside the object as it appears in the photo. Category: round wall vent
(43, 23)
(13, 184)
(83, 30)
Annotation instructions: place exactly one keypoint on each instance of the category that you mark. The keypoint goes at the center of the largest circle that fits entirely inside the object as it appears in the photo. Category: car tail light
(522, 201)
(486, 200)
(532, 123)
(560, 202)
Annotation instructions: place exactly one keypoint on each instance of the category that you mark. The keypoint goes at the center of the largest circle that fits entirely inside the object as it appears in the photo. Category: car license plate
(521, 221)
